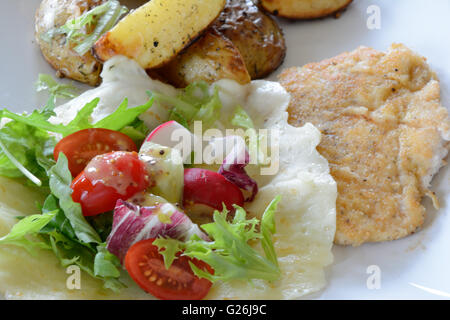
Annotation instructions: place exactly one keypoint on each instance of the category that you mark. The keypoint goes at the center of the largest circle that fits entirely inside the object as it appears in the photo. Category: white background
(423, 25)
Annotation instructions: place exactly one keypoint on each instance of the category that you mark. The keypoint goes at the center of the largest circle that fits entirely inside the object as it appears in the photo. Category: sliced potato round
(53, 14)
(257, 36)
(156, 32)
(211, 58)
(304, 9)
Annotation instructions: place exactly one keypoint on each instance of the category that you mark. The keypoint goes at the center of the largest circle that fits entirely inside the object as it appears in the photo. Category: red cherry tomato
(146, 266)
(108, 178)
(82, 146)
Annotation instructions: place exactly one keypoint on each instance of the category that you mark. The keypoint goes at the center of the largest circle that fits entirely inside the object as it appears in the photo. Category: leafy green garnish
(101, 19)
(268, 229)
(26, 147)
(62, 228)
(28, 226)
(19, 166)
(195, 103)
(60, 180)
(106, 265)
(229, 253)
(59, 223)
(102, 223)
(57, 90)
(123, 116)
(98, 263)
(240, 118)
(117, 120)
(62, 238)
(26, 150)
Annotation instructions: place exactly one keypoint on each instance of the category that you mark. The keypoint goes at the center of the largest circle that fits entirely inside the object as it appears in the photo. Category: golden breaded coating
(385, 134)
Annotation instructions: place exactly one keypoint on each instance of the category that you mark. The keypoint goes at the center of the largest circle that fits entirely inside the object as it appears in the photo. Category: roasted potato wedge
(53, 14)
(304, 9)
(211, 58)
(156, 32)
(257, 36)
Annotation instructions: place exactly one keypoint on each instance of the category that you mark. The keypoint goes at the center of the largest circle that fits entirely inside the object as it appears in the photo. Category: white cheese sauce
(122, 78)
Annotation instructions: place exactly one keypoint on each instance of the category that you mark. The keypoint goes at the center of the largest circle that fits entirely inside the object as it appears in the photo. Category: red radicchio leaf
(132, 223)
(233, 170)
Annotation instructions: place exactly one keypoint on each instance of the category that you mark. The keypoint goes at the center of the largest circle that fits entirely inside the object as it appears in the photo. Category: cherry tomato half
(146, 266)
(80, 147)
(108, 178)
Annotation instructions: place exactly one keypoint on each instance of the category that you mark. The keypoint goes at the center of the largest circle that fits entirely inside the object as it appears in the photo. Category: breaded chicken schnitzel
(385, 134)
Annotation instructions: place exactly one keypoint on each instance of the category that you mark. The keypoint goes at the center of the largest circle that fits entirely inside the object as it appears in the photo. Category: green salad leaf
(123, 116)
(137, 131)
(106, 265)
(102, 223)
(59, 223)
(60, 180)
(240, 118)
(268, 228)
(29, 226)
(25, 151)
(65, 233)
(98, 263)
(26, 147)
(63, 229)
(16, 163)
(119, 119)
(229, 253)
(57, 90)
(86, 29)
(27, 143)
(195, 103)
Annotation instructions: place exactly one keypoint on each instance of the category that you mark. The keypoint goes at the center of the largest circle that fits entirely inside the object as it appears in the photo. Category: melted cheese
(306, 218)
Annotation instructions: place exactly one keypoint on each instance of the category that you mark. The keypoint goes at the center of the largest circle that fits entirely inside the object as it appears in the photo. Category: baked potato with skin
(156, 32)
(210, 58)
(304, 9)
(53, 14)
(257, 36)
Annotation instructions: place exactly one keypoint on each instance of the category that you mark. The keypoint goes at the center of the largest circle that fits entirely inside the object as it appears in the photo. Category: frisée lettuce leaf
(229, 253)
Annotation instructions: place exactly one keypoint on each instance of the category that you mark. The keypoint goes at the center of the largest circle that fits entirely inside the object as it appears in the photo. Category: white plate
(416, 267)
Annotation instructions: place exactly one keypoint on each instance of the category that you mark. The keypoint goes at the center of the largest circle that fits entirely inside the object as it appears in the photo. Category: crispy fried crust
(257, 36)
(385, 134)
(55, 13)
(304, 9)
